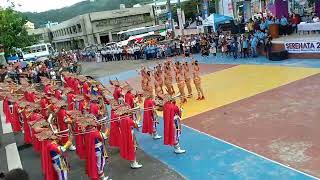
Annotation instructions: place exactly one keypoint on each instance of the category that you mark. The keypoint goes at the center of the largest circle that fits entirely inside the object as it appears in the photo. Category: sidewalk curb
(8, 148)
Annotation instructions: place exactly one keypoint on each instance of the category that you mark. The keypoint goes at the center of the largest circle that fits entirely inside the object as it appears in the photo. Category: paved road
(116, 167)
(109, 68)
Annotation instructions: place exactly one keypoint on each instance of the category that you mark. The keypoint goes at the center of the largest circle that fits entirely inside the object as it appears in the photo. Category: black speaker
(278, 55)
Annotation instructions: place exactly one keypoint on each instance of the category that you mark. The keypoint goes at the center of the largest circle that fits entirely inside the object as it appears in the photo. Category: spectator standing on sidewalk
(234, 47)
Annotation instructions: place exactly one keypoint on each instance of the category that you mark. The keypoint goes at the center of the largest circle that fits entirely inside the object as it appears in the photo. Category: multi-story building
(99, 27)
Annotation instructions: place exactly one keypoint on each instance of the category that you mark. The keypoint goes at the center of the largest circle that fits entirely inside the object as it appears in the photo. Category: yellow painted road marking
(239, 82)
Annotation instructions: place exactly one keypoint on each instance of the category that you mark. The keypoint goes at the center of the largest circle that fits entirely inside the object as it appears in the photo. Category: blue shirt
(268, 22)
(283, 21)
(263, 26)
(260, 35)
(245, 44)
(254, 42)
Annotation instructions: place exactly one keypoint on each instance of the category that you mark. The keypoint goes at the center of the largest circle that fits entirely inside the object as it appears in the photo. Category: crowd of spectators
(51, 68)
(223, 43)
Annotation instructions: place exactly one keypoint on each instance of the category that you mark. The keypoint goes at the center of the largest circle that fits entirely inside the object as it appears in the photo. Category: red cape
(91, 161)
(76, 86)
(71, 83)
(129, 99)
(47, 166)
(169, 110)
(81, 106)
(70, 101)
(26, 96)
(58, 94)
(94, 109)
(127, 149)
(117, 93)
(62, 125)
(32, 97)
(35, 142)
(16, 127)
(26, 129)
(43, 105)
(67, 83)
(147, 126)
(80, 145)
(6, 110)
(85, 88)
(115, 136)
(47, 89)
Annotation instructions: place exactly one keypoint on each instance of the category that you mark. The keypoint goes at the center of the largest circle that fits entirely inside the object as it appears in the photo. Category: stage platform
(279, 45)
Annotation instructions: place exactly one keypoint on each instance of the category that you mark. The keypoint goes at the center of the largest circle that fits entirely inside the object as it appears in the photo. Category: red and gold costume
(150, 118)
(115, 136)
(172, 126)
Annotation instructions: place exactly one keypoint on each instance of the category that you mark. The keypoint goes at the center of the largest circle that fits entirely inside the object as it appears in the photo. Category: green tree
(191, 10)
(13, 33)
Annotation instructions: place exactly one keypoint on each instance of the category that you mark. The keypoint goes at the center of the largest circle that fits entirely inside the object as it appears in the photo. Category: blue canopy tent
(216, 19)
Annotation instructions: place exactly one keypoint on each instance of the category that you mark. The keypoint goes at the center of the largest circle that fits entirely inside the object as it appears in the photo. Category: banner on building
(227, 8)
(303, 47)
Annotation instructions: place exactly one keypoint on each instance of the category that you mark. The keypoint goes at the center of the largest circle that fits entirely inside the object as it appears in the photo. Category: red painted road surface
(281, 124)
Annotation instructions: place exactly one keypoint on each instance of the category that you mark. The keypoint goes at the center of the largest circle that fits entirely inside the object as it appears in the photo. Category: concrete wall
(42, 34)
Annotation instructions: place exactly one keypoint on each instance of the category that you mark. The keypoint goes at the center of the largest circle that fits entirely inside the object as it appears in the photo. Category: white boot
(135, 165)
(156, 136)
(72, 148)
(102, 177)
(178, 150)
(106, 178)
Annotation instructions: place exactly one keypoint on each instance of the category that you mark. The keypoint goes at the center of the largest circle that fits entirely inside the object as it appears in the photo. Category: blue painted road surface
(210, 159)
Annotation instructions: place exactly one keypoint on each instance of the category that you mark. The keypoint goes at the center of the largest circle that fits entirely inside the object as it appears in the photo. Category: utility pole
(155, 11)
(205, 12)
(180, 18)
(179, 14)
(205, 9)
(170, 21)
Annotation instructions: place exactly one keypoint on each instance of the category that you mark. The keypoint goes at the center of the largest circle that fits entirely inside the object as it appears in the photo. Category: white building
(29, 25)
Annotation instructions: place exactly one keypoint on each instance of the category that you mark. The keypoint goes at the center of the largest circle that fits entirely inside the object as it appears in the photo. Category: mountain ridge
(83, 7)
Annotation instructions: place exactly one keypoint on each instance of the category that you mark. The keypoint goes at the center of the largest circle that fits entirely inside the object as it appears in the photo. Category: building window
(79, 28)
(74, 29)
(43, 48)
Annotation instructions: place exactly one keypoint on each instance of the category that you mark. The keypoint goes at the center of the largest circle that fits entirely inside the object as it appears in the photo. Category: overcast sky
(39, 5)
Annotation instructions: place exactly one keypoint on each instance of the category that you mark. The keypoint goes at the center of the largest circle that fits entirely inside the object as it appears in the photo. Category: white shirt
(53, 75)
